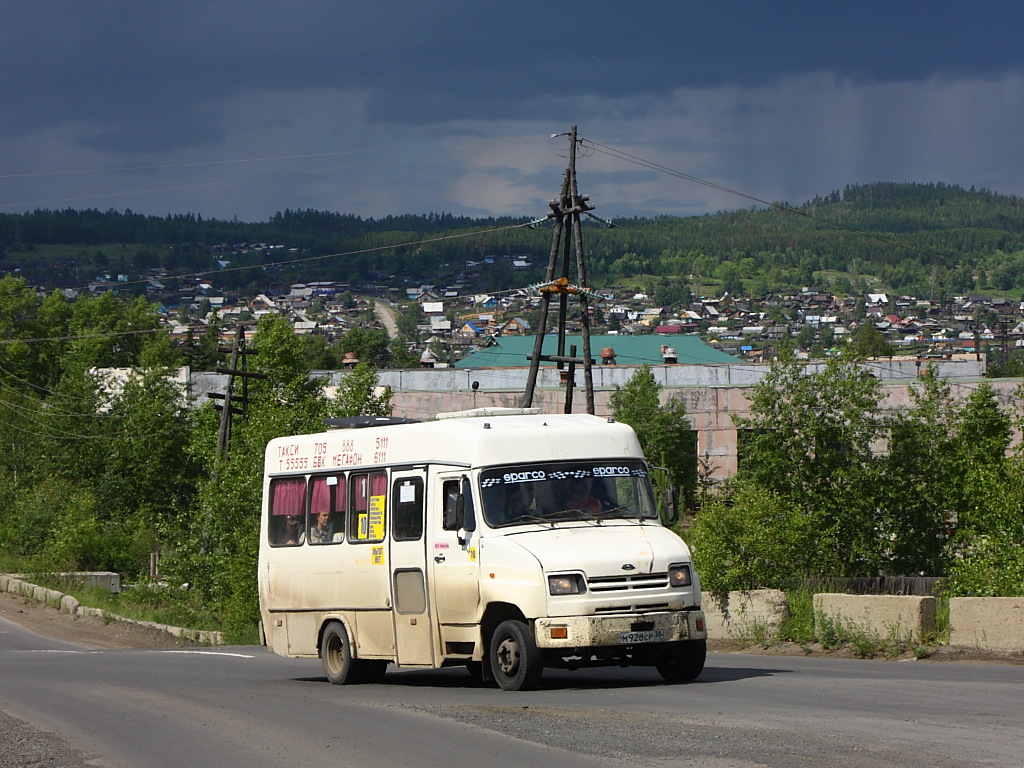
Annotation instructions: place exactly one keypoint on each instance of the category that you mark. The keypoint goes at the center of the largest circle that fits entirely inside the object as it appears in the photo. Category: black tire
(684, 662)
(336, 655)
(515, 660)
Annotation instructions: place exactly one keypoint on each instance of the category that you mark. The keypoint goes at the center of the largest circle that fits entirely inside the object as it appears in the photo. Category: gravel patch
(25, 745)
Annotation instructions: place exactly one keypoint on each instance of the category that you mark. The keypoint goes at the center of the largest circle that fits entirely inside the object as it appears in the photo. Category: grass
(146, 601)
(803, 628)
(799, 626)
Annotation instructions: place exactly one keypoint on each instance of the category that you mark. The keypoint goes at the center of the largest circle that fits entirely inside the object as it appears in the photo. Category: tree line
(928, 240)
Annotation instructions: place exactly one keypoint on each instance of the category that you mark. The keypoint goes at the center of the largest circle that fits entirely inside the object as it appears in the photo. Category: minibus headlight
(566, 584)
(679, 576)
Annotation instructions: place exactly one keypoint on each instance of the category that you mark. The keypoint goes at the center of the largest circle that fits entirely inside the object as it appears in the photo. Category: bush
(759, 540)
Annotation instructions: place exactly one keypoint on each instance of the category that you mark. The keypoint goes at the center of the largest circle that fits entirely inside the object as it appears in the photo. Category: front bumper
(620, 629)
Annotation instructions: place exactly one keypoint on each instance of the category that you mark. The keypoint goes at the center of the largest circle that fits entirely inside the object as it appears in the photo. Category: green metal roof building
(512, 351)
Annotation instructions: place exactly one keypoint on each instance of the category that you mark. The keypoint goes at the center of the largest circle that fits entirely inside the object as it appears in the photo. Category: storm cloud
(248, 108)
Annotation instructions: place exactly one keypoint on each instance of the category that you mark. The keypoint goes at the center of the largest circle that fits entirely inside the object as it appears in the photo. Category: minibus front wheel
(516, 661)
(684, 661)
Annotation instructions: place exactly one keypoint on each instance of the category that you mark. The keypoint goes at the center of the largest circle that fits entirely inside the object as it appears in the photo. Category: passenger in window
(323, 531)
(519, 502)
(292, 530)
(581, 495)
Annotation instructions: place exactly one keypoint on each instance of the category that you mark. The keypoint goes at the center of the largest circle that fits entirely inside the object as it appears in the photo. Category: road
(242, 706)
(386, 314)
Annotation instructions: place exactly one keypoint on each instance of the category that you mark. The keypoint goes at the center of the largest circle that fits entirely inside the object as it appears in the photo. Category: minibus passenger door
(409, 573)
(452, 546)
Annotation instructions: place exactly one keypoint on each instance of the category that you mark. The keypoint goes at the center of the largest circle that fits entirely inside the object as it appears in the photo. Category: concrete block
(987, 623)
(20, 587)
(46, 596)
(744, 613)
(107, 580)
(900, 617)
(68, 604)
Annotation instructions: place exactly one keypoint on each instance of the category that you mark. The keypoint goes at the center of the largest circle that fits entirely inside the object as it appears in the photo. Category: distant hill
(926, 239)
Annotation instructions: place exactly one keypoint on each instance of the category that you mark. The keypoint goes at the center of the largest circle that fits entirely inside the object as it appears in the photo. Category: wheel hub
(508, 656)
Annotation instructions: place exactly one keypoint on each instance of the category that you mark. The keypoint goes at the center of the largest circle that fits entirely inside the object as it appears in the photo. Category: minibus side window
(367, 497)
(287, 503)
(407, 516)
(326, 524)
(450, 492)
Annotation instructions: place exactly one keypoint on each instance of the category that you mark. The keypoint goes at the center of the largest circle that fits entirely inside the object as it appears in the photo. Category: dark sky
(248, 108)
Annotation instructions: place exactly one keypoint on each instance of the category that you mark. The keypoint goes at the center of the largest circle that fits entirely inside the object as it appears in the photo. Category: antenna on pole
(566, 211)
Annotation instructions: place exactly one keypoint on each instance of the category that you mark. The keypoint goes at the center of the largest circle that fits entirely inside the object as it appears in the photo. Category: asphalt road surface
(241, 706)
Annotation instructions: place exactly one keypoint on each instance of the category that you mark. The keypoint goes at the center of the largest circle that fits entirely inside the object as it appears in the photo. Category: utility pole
(565, 210)
(238, 350)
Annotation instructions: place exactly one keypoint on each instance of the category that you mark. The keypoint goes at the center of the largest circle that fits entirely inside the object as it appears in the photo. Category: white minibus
(504, 540)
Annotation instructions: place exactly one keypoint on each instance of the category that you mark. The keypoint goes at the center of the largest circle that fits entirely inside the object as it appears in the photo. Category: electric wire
(651, 165)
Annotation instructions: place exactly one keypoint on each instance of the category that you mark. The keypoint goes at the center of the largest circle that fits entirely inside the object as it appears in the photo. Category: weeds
(756, 632)
(798, 627)
(146, 601)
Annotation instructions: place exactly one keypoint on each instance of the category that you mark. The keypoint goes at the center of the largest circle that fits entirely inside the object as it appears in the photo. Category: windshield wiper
(621, 512)
(575, 513)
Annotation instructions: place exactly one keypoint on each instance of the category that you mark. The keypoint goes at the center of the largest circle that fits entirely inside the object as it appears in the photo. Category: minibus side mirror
(453, 511)
(671, 504)
(467, 518)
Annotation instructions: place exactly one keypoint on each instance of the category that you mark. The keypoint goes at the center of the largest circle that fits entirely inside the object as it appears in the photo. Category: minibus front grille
(606, 584)
(639, 608)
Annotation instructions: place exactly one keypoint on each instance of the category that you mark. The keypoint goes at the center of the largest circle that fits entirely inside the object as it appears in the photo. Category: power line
(651, 165)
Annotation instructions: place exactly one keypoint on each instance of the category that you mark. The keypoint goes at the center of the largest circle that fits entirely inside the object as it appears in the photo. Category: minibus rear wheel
(516, 661)
(336, 655)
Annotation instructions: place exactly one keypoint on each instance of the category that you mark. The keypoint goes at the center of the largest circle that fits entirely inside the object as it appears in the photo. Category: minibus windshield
(552, 492)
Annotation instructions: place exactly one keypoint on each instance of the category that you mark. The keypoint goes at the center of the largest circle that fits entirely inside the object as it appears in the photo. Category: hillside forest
(932, 241)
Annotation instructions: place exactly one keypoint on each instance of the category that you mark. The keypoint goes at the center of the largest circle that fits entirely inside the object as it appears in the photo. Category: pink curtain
(359, 496)
(288, 497)
(321, 498)
(378, 484)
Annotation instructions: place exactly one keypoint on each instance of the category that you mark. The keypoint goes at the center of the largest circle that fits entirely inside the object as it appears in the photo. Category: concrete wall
(710, 409)
(987, 623)
(743, 615)
(713, 394)
(885, 616)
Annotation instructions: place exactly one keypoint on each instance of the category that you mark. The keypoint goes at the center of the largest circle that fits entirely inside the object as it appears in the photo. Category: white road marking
(209, 653)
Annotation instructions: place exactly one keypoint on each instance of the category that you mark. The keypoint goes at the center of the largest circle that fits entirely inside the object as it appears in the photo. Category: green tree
(809, 440)
(752, 540)
(805, 338)
(868, 341)
(663, 429)
(370, 346)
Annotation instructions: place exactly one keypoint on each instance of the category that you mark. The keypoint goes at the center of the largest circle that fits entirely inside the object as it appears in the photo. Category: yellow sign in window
(375, 518)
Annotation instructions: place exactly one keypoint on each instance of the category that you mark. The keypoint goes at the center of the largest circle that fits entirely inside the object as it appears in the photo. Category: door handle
(438, 558)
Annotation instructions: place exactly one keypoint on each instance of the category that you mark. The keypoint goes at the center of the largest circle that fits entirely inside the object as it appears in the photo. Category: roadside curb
(12, 584)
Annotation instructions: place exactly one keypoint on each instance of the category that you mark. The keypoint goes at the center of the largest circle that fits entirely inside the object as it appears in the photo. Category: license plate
(632, 638)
